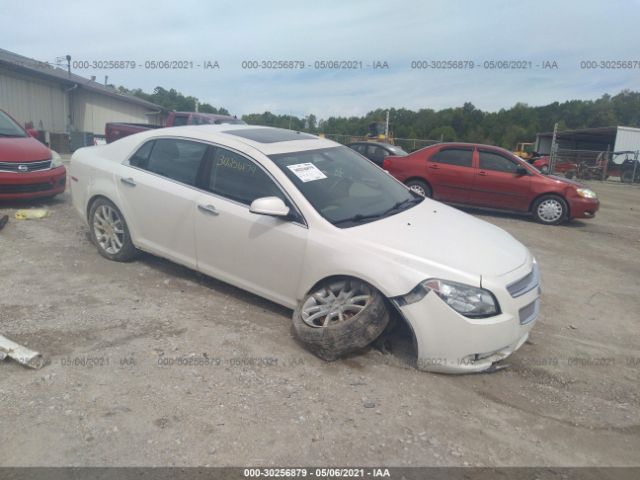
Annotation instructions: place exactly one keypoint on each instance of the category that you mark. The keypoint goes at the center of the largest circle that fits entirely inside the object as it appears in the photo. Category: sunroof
(269, 135)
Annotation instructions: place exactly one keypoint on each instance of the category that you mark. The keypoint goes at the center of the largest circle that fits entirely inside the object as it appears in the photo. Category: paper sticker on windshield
(307, 172)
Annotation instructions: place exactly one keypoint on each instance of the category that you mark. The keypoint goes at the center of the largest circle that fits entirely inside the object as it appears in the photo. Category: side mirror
(272, 206)
(520, 171)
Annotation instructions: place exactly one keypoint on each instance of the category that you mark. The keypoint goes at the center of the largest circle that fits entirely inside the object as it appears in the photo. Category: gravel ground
(153, 364)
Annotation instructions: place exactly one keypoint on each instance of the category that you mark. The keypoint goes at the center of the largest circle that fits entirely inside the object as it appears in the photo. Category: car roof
(462, 144)
(268, 140)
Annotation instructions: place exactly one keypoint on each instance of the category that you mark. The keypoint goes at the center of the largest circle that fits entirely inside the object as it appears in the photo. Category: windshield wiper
(395, 208)
(398, 206)
(359, 216)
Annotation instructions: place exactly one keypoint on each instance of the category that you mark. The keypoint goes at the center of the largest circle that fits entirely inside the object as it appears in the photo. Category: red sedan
(27, 167)
(491, 177)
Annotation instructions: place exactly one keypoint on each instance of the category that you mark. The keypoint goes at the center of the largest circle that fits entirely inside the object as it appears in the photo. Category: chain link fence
(595, 165)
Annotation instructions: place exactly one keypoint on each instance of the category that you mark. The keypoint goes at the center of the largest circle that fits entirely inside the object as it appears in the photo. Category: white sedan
(313, 226)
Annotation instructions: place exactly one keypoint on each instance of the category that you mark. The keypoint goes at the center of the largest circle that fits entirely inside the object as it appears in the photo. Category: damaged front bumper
(448, 342)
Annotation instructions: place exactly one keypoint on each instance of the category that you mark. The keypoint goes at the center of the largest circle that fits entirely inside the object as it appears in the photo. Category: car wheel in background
(550, 210)
(109, 232)
(419, 187)
(339, 317)
(626, 176)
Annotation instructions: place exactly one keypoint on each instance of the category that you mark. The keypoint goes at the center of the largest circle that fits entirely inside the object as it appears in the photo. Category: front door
(259, 253)
(498, 184)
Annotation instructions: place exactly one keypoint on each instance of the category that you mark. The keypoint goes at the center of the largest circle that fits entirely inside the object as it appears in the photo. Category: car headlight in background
(56, 159)
(467, 300)
(586, 193)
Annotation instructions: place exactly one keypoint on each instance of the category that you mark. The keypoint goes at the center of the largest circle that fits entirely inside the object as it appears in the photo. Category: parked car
(312, 225)
(491, 177)
(377, 151)
(116, 130)
(28, 169)
(542, 164)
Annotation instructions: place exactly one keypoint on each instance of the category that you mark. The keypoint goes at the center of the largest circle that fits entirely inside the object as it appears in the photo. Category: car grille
(530, 312)
(526, 283)
(33, 187)
(25, 167)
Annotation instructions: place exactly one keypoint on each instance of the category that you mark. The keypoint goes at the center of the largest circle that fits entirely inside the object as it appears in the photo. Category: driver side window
(496, 162)
(237, 178)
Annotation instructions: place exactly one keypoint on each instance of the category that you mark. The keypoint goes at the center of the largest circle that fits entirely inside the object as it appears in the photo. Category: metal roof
(590, 134)
(45, 70)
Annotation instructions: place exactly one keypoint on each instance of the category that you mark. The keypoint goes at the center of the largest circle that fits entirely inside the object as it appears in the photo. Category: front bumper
(583, 207)
(448, 342)
(44, 183)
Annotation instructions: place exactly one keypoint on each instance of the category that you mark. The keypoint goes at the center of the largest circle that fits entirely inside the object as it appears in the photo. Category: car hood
(568, 181)
(438, 239)
(22, 149)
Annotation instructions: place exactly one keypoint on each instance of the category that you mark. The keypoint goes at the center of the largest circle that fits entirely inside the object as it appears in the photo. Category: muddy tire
(109, 232)
(420, 187)
(550, 210)
(339, 317)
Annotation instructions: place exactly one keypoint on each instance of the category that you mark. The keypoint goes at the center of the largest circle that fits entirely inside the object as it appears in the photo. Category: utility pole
(554, 149)
(386, 128)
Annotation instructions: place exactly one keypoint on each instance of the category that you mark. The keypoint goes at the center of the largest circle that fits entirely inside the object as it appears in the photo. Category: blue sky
(229, 32)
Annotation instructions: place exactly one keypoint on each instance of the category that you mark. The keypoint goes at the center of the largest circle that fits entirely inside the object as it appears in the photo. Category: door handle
(208, 209)
(483, 174)
(435, 167)
(128, 181)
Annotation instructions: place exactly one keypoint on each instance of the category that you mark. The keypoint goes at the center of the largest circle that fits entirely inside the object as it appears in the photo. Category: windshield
(8, 127)
(344, 187)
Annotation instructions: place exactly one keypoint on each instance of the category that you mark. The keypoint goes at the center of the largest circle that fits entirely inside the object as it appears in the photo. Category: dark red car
(27, 167)
(491, 177)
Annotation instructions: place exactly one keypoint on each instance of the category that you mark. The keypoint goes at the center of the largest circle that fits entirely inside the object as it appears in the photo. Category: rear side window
(139, 159)
(176, 159)
(237, 178)
(460, 157)
(495, 161)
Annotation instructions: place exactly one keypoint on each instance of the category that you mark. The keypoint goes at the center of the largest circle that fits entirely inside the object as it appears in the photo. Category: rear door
(158, 192)
(450, 172)
(497, 183)
(259, 253)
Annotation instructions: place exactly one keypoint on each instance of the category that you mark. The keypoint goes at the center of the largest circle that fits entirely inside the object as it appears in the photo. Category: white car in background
(314, 226)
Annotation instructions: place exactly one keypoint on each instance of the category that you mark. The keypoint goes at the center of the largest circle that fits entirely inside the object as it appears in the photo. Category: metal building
(62, 105)
(612, 139)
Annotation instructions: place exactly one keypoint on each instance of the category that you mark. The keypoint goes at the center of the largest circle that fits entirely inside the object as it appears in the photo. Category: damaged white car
(314, 226)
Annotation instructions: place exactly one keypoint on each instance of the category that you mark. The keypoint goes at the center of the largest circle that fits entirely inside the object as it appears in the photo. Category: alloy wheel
(335, 303)
(109, 229)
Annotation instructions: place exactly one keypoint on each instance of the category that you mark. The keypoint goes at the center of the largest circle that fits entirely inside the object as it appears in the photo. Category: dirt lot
(153, 364)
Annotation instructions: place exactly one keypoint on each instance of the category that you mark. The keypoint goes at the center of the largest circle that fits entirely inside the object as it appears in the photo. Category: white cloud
(397, 32)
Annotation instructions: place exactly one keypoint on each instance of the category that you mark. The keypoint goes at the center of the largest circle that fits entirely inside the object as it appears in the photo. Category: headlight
(586, 193)
(56, 159)
(467, 300)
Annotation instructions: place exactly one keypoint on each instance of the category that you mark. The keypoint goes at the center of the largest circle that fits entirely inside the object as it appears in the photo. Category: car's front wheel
(339, 317)
(109, 232)
(550, 210)
(420, 187)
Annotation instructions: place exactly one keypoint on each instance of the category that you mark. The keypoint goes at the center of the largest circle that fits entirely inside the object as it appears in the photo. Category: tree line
(505, 128)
